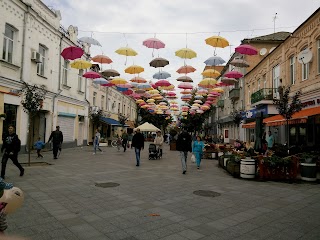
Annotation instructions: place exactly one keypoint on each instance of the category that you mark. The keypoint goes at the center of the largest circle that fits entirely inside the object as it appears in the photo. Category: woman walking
(197, 150)
(96, 142)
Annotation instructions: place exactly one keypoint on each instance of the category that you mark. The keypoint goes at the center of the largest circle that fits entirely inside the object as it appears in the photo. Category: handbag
(193, 158)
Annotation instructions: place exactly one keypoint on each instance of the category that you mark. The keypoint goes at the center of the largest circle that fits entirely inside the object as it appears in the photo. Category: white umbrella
(147, 127)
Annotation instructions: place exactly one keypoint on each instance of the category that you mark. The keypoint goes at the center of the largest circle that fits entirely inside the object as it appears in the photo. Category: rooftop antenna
(274, 24)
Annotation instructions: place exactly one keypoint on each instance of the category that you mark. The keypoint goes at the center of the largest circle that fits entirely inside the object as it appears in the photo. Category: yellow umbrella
(154, 91)
(186, 53)
(184, 113)
(126, 51)
(150, 100)
(207, 83)
(219, 90)
(217, 41)
(139, 101)
(80, 64)
(134, 69)
(170, 87)
(117, 81)
(211, 73)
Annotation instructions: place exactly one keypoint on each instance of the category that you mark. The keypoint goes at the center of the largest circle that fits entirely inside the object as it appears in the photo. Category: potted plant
(308, 167)
(3, 116)
(233, 165)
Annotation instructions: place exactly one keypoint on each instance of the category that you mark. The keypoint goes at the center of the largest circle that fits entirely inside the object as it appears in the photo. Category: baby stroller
(154, 153)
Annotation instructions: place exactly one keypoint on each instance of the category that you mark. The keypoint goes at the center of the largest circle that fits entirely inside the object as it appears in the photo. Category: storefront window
(11, 116)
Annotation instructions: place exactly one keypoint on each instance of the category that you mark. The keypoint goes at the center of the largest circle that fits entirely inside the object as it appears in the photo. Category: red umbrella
(233, 74)
(91, 74)
(108, 85)
(246, 49)
(128, 92)
(162, 83)
(72, 53)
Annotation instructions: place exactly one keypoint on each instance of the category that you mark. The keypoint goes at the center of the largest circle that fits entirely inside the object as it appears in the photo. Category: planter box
(233, 168)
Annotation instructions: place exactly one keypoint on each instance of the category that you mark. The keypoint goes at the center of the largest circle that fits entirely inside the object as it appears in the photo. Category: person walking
(183, 145)
(158, 141)
(124, 141)
(96, 142)
(138, 144)
(39, 145)
(197, 150)
(57, 139)
(11, 146)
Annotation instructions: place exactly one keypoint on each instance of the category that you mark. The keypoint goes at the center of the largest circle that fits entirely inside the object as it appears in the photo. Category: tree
(159, 120)
(287, 106)
(95, 116)
(122, 119)
(32, 102)
(236, 118)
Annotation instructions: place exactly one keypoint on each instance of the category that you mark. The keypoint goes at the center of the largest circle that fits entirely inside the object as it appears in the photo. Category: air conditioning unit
(36, 57)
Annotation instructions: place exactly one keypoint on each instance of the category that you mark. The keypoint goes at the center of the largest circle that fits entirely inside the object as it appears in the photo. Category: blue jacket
(197, 146)
(39, 144)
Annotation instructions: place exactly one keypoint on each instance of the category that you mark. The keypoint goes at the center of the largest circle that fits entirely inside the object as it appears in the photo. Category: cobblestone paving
(155, 200)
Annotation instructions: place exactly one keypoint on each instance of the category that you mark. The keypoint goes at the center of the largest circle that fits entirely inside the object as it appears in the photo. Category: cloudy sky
(178, 23)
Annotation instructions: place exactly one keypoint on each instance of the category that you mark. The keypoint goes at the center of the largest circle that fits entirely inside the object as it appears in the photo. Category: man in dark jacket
(138, 144)
(11, 147)
(184, 145)
(57, 139)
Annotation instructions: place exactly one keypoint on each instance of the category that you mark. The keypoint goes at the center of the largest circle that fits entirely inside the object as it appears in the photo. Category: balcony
(263, 96)
(234, 94)
(221, 103)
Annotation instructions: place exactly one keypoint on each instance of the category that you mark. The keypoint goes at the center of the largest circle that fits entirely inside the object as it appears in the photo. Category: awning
(277, 120)
(111, 121)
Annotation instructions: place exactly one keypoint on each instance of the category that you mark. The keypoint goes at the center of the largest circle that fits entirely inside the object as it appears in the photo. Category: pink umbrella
(162, 83)
(185, 85)
(246, 49)
(108, 85)
(72, 53)
(91, 74)
(153, 43)
(233, 74)
(135, 95)
(171, 94)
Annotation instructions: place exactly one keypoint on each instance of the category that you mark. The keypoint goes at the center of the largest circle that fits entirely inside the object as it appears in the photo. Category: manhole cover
(205, 193)
(107, 184)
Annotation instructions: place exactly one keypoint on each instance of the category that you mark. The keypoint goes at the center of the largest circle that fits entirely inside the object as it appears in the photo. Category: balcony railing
(262, 94)
(220, 103)
(234, 94)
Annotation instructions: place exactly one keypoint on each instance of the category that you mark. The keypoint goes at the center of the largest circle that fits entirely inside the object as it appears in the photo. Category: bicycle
(116, 144)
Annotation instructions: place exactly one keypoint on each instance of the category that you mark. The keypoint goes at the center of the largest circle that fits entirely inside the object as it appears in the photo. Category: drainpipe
(24, 34)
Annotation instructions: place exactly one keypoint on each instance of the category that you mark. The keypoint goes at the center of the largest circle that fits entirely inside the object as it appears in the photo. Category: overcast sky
(178, 23)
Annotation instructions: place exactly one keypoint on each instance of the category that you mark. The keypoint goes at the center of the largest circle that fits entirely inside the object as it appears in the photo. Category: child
(39, 145)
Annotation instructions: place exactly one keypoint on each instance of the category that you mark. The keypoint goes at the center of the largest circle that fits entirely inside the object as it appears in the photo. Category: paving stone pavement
(155, 200)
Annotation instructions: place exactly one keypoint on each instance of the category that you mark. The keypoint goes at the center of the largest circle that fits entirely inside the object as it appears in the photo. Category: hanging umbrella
(117, 81)
(186, 53)
(101, 59)
(207, 83)
(128, 92)
(246, 50)
(237, 62)
(170, 87)
(121, 89)
(163, 83)
(90, 40)
(107, 85)
(185, 85)
(126, 85)
(126, 51)
(161, 75)
(100, 81)
(214, 61)
(134, 69)
(217, 41)
(230, 81)
(211, 73)
(159, 62)
(110, 73)
(80, 64)
(184, 79)
(72, 53)
(186, 69)
(153, 43)
(138, 80)
(233, 74)
(144, 86)
(91, 74)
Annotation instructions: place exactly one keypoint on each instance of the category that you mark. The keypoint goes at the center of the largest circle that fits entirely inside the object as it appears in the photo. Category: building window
(119, 105)
(292, 70)
(94, 99)
(65, 67)
(124, 109)
(11, 116)
(80, 80)
(102, 102)
(305, 70)
(41, 64)
(108, 105)
(259, 84)
(318, 55)
(8, 43)
(276, 80)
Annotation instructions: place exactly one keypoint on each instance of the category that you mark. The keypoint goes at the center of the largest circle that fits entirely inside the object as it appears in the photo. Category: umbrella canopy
(107, 85)
(184, 79)
(186, 69)
(128, 92)
(90, 40)
(207, 83)
(186, 53)
(72, 53)
(229, 81)
(100, 81)
(211, 73)
(147, 127)
(80, 64)
(138, 80)
(134, 69)
(126, 51)
(161, 75)
(217, 41)
(110, 73)
(237, 62)
(170, 87)
(159, 62)
(185, 85)
(234, 74)
(144, 86)
(101, 59)
(163, 83)
(153, 43)
(118, 81)
(246, 50)
(214, 61)
(91, 74)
